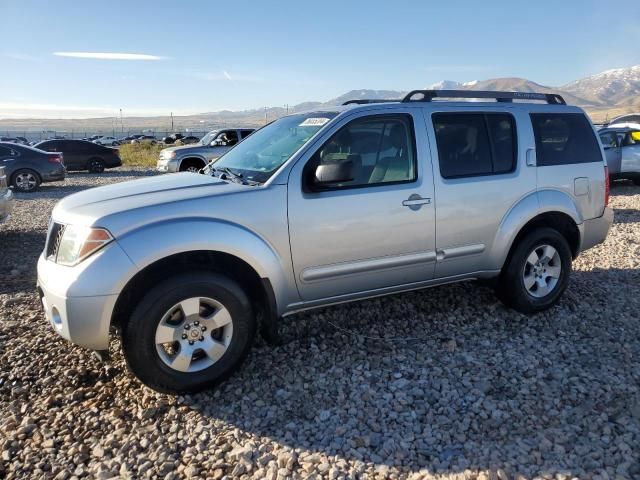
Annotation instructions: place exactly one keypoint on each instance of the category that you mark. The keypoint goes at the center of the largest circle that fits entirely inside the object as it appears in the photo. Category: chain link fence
(37, 136)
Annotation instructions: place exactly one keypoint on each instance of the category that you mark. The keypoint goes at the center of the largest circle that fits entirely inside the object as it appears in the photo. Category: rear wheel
(189, 333)
(25, 180)
(537, 272)
(95, 165)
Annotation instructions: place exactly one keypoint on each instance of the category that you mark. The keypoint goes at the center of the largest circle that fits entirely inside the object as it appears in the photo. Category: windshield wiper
(226, 172)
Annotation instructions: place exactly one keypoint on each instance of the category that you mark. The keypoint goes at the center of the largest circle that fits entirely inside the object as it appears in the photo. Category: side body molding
(527, 208)
(155, 242)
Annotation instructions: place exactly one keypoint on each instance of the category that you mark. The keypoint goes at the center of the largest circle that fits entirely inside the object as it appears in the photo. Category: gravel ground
(454, 386)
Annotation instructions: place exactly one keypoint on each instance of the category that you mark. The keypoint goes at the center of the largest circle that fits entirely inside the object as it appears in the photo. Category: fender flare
(526, 209)
(154, 242)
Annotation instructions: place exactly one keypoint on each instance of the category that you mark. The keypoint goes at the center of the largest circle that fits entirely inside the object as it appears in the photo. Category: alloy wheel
(542, 271)
(194, 334)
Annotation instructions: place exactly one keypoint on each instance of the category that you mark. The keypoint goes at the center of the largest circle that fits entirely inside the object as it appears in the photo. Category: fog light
(56, 318)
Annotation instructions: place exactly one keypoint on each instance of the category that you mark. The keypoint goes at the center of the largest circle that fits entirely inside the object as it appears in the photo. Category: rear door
(479, 174)
(376, 230)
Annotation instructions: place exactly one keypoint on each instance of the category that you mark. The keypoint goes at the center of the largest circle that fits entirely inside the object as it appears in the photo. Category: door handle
(531, 157)
(415, 201)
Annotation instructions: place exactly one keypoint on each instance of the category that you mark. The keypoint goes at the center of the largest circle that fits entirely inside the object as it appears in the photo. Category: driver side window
(368, 151)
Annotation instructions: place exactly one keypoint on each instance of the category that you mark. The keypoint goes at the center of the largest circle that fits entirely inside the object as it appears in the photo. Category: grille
(53, 242)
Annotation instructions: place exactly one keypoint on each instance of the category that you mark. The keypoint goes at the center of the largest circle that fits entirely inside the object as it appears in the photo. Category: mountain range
(604, 96)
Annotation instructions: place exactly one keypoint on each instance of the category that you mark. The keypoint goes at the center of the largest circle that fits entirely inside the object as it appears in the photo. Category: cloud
(21, 56)
(50, 110)
(108, 56)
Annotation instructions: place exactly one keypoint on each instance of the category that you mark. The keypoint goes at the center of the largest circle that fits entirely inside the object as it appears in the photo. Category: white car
(112, 141)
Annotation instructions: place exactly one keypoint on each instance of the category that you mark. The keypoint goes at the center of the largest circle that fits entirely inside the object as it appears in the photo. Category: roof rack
(367, 101)
(508, 97)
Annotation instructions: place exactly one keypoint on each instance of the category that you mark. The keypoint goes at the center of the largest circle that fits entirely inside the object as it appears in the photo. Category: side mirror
(328, 174)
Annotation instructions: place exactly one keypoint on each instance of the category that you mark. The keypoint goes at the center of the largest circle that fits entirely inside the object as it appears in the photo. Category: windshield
(263, 152)
(208, 138)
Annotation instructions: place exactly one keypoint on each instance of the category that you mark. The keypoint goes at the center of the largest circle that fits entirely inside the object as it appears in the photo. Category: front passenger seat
(398, 167)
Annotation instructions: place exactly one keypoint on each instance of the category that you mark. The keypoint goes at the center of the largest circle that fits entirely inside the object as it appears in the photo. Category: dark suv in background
(27, 167)
(83, 155)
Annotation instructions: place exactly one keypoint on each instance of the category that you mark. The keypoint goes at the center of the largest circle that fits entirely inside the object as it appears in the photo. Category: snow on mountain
(619, 85)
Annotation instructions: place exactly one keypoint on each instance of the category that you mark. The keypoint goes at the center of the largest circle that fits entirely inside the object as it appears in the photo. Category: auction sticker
(314, 122)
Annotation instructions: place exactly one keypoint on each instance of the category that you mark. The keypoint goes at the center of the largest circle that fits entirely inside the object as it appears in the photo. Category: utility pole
(286, 106)
(172, 121)
(265, 115)
(121, 124)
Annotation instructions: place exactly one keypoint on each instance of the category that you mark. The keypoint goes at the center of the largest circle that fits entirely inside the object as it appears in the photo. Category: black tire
(25, 180)
(511, 287)
(138, 335)
(191, 165)
(95, 165)
(636, 181)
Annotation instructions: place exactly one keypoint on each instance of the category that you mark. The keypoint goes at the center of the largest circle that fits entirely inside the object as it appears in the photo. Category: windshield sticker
(314, 122)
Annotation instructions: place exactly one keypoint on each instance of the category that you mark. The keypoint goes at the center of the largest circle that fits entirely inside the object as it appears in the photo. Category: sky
(71, 59)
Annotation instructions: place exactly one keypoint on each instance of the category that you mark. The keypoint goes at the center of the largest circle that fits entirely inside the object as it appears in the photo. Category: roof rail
(428, 95)
(367, 101)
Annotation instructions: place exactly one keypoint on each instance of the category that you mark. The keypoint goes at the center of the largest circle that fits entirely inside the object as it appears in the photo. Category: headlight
(78, 243)
(169, 155)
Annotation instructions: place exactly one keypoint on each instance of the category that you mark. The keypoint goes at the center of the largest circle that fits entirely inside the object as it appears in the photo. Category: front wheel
(537, 273)
(189, 332)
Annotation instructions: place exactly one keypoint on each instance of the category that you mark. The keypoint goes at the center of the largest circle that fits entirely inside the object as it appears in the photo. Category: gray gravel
(456, 385)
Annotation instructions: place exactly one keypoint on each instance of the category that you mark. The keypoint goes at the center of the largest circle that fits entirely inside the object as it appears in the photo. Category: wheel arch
(545, 208)
(226, 248)
(191, 158)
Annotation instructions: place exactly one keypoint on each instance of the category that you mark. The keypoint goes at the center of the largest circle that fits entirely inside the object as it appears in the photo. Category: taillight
(57, 158)
(607, 186)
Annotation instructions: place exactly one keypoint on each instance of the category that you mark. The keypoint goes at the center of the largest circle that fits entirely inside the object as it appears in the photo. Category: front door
(631, 153)
(374, 229)
(612, 150)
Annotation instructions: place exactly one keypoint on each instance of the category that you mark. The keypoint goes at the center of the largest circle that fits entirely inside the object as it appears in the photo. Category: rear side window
(245, 133)
(564, 138)
(475, 144)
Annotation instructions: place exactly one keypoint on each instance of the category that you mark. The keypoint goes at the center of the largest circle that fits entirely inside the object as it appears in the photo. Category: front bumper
(167, 166)
(595, 230)
(6, 205)
(79, 301)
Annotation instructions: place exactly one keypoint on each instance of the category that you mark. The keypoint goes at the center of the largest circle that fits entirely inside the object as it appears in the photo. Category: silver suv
(192, 158)
(321, 208)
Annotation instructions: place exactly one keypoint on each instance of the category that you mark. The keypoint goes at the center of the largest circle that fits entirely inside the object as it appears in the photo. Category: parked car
(170, 139)
(6, 197)
(145, 139)
(28, 167)
(113, 141)
(83, 155)
(189, 140)
(193, 158)
(323, 207)
(622, 149)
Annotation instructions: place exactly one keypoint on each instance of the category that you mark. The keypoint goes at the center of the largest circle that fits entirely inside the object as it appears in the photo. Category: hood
(193, 146)
(94, 206)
